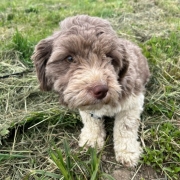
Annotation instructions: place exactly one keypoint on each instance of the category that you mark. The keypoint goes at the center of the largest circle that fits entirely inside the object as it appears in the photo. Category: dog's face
(83, 62)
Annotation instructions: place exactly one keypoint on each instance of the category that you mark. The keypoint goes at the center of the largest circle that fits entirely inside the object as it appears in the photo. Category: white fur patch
(127, 115)
(130, 103)
(93, 133)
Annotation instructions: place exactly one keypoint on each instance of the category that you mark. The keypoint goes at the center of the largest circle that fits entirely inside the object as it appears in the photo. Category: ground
(35, 144)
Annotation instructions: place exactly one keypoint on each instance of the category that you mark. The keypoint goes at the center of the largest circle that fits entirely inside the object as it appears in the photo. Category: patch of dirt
(119, 172)
(142, 172)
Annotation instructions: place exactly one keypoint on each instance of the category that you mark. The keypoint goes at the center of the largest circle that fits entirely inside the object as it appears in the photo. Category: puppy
(100, 74)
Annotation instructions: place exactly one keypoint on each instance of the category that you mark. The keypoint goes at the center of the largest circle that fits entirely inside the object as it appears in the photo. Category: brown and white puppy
(100, 74)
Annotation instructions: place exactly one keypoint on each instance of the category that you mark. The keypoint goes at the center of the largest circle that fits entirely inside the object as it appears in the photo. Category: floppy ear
(40, 57)
(124, 63)
(120, 60)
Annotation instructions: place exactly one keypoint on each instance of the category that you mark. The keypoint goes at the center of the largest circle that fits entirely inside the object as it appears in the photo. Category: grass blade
(60, 165)
(107, 176)
(45, 173)
(67, 153)
(11, 156)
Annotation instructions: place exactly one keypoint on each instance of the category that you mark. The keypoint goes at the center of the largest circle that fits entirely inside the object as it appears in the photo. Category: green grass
(163, 54)
(163, 151)
(23, 46)
(76, 165)
(31, 120)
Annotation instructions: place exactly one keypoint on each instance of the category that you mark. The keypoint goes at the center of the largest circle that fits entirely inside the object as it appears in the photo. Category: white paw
(129, 155)
(90, 139)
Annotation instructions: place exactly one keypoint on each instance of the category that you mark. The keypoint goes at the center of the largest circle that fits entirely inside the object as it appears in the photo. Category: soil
(145, 173)
(119, 172)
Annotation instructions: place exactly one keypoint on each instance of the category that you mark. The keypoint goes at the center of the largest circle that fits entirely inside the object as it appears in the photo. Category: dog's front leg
(127, 148)
(93, 132)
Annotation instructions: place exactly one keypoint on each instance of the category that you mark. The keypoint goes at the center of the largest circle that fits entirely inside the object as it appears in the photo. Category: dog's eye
(69, 59)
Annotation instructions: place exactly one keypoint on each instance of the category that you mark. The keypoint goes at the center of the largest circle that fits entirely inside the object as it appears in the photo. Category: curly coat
(94, 70)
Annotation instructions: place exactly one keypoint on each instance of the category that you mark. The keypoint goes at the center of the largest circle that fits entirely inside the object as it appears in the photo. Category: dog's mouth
(94, 105)
(86, 101)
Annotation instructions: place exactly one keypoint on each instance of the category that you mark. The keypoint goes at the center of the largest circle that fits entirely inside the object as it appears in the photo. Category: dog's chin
(91, 107)
(91, 104)
(86, 101)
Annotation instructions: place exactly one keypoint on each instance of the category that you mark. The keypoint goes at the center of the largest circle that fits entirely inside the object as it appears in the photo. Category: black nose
(100, 91)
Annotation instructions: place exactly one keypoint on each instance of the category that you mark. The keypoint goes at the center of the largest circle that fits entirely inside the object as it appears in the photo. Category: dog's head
(83, 62)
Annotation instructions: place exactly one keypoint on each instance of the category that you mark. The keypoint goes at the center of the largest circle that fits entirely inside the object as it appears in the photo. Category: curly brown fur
(91, 42)
(90, 67)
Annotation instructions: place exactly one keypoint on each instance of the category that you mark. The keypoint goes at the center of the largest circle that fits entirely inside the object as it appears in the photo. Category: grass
(31, 121)
(74, 168)
(162, 151)
(23, 46)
